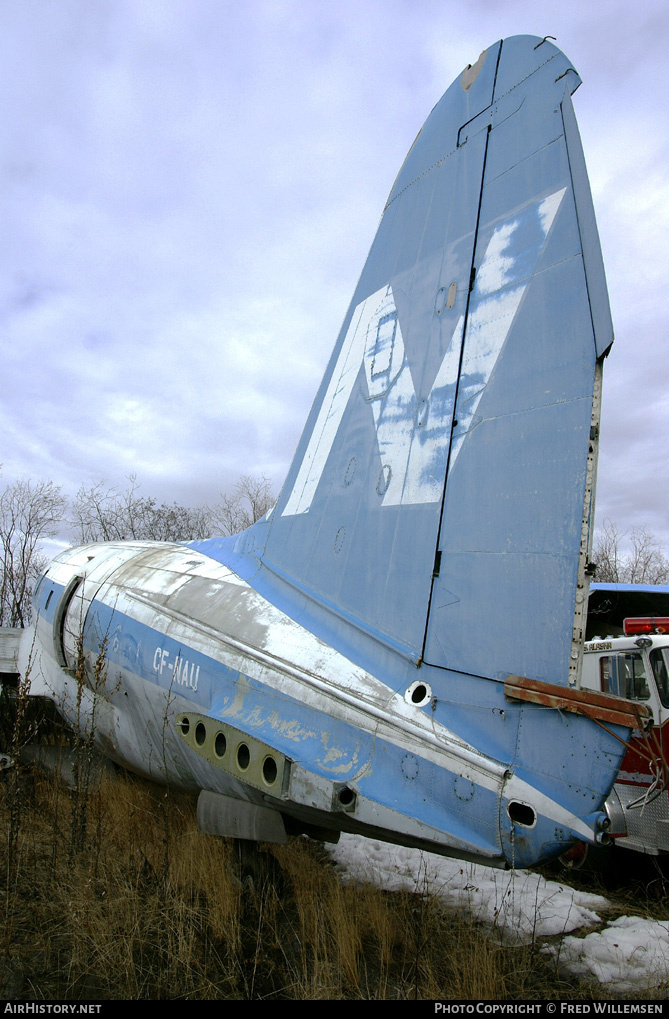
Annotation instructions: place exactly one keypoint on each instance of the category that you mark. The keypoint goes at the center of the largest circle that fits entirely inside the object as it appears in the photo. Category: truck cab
(636, 666)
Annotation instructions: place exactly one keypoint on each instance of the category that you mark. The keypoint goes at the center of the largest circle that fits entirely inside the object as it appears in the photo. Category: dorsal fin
(438, 490)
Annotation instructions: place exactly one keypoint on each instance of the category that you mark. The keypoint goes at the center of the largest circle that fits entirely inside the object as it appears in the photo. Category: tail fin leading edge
(438, 488)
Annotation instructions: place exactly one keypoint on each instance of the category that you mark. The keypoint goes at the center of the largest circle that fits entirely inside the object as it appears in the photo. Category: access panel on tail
(393, 648)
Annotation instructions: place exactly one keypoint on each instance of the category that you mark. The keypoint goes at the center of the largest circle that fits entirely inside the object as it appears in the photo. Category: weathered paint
(328, 717)
(431, 537)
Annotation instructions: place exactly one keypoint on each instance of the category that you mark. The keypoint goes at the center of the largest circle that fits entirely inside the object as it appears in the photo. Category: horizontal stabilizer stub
(598, 706)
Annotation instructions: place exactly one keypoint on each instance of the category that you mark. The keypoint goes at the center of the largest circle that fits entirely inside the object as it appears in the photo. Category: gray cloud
(189, 193)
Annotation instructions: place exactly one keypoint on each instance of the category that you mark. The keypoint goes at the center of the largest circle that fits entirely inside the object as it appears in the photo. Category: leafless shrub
(28, 513)
(644, 562)
(250, 499)
(103, 513)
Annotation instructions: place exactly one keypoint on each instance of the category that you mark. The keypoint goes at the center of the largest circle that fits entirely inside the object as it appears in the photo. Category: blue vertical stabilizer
(440, 483)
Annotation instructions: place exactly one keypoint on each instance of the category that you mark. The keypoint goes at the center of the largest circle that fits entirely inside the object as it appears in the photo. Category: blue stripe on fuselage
(325, 745)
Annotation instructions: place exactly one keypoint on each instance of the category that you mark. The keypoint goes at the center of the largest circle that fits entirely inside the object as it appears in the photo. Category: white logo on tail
(413, 432)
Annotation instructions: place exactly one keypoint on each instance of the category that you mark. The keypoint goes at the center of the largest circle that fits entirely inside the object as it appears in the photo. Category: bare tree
(250, 499)
(607, 554)
(28, 513)
(103, 513)
(645, 561)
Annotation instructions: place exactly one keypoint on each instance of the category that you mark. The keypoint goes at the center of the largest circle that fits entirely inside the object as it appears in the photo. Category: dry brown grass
(145, 906)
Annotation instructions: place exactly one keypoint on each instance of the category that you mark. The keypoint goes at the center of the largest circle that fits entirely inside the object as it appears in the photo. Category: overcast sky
(189, 191)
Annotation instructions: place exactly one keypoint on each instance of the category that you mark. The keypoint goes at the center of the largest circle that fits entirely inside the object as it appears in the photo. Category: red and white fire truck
(636, 666)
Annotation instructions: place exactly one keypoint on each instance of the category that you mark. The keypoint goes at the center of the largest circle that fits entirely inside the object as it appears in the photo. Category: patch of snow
(629, 954)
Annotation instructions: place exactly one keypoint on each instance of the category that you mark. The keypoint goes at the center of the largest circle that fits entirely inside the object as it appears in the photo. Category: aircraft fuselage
(194, 661)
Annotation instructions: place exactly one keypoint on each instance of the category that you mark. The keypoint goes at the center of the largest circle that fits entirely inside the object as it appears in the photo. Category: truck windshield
(659, 660)
(624, 675)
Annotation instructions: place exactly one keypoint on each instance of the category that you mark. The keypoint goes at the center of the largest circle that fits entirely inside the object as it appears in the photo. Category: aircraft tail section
(437, 495)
